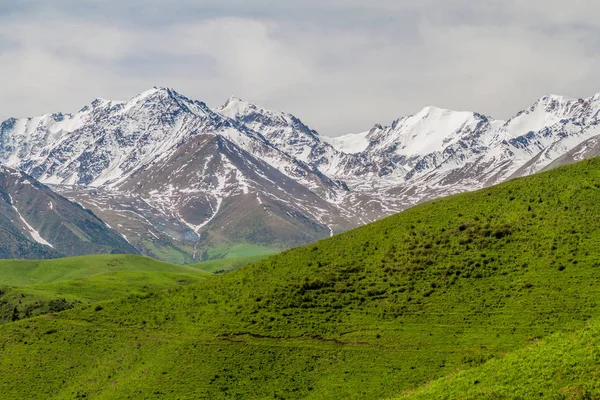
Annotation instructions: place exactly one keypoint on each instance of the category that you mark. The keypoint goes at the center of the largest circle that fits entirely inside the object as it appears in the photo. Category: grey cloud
(341, 66)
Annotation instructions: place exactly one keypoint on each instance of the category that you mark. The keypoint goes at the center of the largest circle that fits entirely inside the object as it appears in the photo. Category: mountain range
(178, 179)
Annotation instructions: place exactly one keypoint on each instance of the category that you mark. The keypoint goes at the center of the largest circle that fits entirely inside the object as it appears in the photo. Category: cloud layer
(341, 66)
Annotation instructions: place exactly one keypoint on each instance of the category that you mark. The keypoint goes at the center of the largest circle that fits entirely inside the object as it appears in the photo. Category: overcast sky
(339, 65)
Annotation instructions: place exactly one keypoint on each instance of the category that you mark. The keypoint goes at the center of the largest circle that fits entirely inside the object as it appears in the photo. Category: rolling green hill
(564, 366)
(370, 314)
(26, 272)
(30, 288)
(222, 265)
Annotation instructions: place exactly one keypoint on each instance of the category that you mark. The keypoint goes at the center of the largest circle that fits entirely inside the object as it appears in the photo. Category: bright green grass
(112, 285)
(239, 251)
(228, 264)
(368, 314)
(25, 272)
(565, 366)
(173, 252)
(31, 288)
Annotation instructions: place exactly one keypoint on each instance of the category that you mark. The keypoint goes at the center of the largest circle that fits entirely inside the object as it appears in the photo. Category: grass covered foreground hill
(564, 366)
(30, 288)
(447, 286)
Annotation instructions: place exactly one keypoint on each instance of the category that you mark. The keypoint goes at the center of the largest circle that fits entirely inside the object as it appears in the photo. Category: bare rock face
(176, 177)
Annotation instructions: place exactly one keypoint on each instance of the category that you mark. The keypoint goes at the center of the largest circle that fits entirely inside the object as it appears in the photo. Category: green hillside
(26, 272)
(222, 265)
(565, 366)
(30, 288)
(369, 314)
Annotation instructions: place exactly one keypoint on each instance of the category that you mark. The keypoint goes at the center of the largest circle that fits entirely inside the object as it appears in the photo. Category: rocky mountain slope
(36, 222)
(177, 178)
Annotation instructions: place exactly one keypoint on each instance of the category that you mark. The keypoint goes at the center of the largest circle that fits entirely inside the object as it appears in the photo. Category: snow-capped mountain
(283, 130)
(108, 141)
(38, 223)
(164, 169)
(176, 177)
(437, 142)
(289, 134)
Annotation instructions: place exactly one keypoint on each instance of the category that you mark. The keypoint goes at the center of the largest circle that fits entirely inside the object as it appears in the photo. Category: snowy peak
(285, 131)
(233, 106)
(255, 116)
(240, 110)
(111, 139)
(182, 170)
(106, 140)
(430, 130)
(437, 139)
(166, 100)
(562, 105)
(436, 113)
(157, 99)
(158, 92)
(554, 111)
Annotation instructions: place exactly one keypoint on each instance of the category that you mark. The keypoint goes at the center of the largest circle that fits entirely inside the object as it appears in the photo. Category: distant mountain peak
(555, 97)
(235, 107)
(187, 159)
(98, 101)
(434, 110)
(158, 92)
(439, 112)
(549, 101)
(234, 99)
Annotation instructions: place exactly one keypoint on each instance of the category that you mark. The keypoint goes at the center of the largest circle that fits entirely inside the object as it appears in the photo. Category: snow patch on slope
(34, 233)
(351, 143)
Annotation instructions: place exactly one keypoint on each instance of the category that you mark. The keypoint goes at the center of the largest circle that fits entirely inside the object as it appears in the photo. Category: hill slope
(36, 222)
(367, 314)
(37, 272)
(566, 365)
(31, 288)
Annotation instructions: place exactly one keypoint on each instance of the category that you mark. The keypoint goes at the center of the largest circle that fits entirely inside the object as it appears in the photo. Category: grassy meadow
(490, 294)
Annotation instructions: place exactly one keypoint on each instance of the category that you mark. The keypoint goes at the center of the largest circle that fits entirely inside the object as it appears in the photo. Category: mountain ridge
(36, 222)
(142, 154)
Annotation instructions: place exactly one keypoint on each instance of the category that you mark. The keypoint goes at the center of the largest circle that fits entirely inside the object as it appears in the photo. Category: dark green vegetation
(446, 286)
(30, 288)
